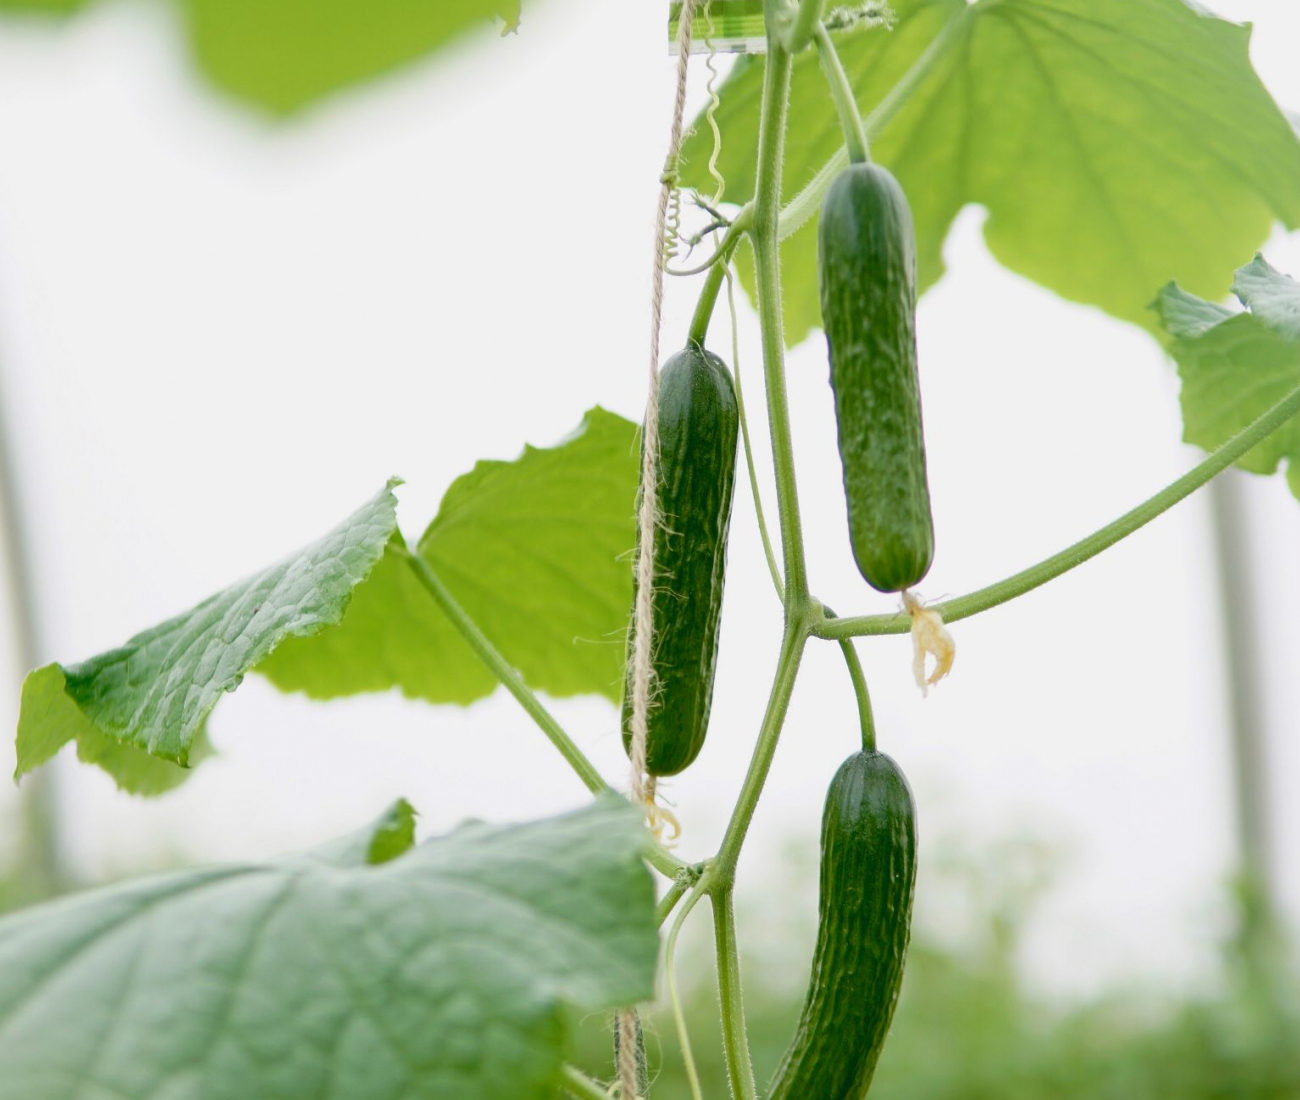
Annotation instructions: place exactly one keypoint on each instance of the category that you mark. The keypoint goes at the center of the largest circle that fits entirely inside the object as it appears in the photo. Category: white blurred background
(218, 336)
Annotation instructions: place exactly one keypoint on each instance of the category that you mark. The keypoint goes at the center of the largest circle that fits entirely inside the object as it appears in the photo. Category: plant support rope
(643, 626)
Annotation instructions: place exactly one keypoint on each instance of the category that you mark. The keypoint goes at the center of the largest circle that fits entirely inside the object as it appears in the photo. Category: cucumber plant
(373, 967)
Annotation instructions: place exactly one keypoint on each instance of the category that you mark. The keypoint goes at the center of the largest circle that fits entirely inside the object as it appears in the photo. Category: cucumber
(698, 426)
(868, 876)
(867, 263)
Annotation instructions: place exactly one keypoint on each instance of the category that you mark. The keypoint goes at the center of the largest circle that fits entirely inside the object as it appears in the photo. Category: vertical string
(647, 518)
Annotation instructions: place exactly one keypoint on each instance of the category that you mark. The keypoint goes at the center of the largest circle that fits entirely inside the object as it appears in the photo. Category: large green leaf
(536, 550)
(1235, 366)
(154, 694)
(366, 970)
(1114, 143)
(283, 55)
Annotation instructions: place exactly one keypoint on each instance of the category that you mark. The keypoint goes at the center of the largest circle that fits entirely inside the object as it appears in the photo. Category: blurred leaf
(43, 7)
(534, 549)
(154, 694)
(284, 55)
(287, 54)
(441, 971)
(1235, 366)
(1114, 143)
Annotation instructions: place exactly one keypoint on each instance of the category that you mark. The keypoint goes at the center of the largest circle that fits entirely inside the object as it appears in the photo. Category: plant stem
(735, 1041)
(1028, 579)
(787, 669)
(767, 198)
(579, 1085)
(755, 492)
(699, 329)
(717, 269)
(670, 899)
(806, 20)
(506, 673)
(865, 718)
(855, 139)
(805, 204)
(656, 855)
(670, 976)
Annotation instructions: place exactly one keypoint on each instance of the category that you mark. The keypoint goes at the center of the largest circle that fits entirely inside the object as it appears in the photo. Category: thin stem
(806, 20)
(506, 673)
(807, 202)
(735, 1041)
(717, 270)
(1028, 579)
(579, 1085)
(749, 450)
(656, 854)
(855, 139)
(865, 717)
(787, 668)
(767, 197)
(670, 899)
(674, 998)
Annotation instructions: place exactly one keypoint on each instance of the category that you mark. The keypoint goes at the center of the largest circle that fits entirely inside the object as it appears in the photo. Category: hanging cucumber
(698, 425)
(868, 873)
(867, 259)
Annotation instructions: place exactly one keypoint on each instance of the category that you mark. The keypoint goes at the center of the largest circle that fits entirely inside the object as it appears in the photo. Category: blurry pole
(1248, 732)
(40, 869)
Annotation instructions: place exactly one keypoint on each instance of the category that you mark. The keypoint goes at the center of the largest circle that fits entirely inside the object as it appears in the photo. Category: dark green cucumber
(868, 875)
(867, 259)
(698, 426)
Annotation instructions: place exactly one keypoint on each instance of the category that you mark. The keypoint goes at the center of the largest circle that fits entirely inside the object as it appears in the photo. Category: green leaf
(1114, 144)
(1234, 367)
(535, 550)
(43, 7)
(442, 972)
(153, 695)
(284, 55)
(1273, 298)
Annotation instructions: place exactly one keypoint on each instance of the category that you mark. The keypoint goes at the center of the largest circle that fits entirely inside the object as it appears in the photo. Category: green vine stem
(767, 199)
(722, 872)
(1028, 579)
(674, 998)
(717, 268)
(656, 854)
(735, 1043)
(772, 567)
(787, 669)
(806, 20)
(865, 717)
(855, 138)
(808, 201)
(578, 1085)
(671, 897)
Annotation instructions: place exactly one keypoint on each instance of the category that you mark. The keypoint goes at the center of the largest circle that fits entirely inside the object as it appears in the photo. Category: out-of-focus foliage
(969, 1027)
(284, 55)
